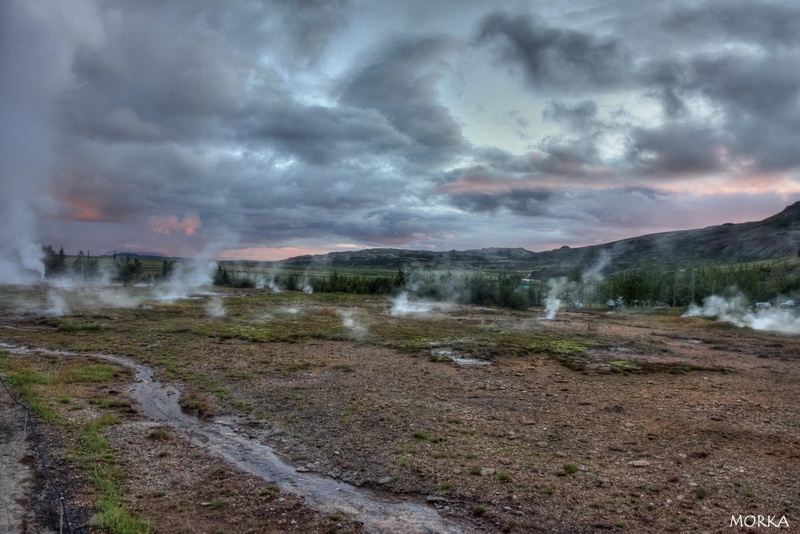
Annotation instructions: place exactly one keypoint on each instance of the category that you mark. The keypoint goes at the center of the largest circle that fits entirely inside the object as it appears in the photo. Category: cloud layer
(319, 125)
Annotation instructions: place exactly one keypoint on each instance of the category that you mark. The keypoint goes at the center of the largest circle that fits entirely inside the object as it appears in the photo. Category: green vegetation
(42, 382)
(422, 436)
(570, 469)
(219, 503)
(271, 490)
(446, 486)
(683, 285)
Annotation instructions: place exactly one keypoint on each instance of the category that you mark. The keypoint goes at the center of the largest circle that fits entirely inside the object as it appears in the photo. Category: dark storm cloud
(335, 121)
(401, 84)
(676, 150)
(756, 97)
(774, 24)
(323, 135)
(520, 201)
(765, 86)
(665, 77)
(755, 92)
(555, 57)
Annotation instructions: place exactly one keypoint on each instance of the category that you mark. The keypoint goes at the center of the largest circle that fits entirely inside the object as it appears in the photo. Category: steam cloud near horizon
(736, 311)
(560, 289)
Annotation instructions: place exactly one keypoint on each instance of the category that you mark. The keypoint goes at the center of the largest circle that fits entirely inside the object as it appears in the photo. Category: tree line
(681, 286)
(121, 269)
(477, 288)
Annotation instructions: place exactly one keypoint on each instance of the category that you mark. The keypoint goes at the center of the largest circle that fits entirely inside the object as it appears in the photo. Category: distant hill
(776, 236)
(152, 256)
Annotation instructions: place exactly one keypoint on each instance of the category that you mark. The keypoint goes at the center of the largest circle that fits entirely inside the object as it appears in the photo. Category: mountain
(153, 256)
(776, 236)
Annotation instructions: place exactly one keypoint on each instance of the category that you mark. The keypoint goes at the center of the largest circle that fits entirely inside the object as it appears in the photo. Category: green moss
(622, 366)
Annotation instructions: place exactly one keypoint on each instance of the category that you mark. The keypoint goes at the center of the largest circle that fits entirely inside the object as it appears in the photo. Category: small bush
(422, 436)
(446, 486)
(503, 476)
(270, 490)
(570, 469)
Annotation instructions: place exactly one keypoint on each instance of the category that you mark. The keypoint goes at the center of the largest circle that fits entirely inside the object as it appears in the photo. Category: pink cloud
(169, 223)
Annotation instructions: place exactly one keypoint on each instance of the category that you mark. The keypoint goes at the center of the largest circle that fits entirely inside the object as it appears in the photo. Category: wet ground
(661, 424)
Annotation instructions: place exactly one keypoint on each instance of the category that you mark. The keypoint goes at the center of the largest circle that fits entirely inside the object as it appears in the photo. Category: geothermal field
(249, 410)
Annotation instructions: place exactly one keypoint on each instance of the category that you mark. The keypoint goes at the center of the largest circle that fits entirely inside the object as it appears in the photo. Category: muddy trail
(378, 513)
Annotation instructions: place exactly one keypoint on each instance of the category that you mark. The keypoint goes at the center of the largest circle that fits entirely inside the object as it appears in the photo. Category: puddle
(470, 361)
(458, 360)
(378, 513)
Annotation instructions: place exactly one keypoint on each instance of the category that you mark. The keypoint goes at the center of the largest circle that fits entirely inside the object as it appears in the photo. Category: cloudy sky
(264, 129)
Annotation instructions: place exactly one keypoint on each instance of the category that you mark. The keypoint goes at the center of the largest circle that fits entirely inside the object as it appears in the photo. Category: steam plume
(34, 68)
(402, 306)
(735, 310)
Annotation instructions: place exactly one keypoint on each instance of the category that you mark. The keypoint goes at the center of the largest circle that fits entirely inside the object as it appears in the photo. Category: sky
(264, 129)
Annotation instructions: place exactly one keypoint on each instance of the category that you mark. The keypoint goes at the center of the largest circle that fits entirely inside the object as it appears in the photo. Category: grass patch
(270, 490)
(402, 462)
(446, 486)
(197, 404)
(95, 455)
(219, 503)
(622, 366)
(422, 436)
(503, 476)
(111, 403)
(570, 469)
(159, 434)
(41, 382)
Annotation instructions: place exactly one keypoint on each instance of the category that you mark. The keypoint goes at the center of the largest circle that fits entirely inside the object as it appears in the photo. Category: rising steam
(552, 303)
(215, 308)
(735, 310)
(34, 69)
(402, 306)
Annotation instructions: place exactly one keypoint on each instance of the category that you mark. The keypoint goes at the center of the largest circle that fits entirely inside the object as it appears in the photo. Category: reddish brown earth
(700, 424)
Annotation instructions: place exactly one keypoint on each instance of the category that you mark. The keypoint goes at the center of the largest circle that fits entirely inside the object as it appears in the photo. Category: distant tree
(166, 269)
(84, 266)
(55, 263)
(222, 277)
(128, 271)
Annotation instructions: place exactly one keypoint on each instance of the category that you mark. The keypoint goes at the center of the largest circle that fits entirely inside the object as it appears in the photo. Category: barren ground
(612, 421)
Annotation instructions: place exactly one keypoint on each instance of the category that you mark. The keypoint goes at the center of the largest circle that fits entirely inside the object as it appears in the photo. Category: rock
(487, 471)
(384, 480)
(639, 463)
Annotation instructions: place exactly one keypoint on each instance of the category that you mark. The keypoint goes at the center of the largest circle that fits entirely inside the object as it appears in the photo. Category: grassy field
(501, 419)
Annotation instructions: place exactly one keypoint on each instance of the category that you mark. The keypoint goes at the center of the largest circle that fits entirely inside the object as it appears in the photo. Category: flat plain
(500, 421)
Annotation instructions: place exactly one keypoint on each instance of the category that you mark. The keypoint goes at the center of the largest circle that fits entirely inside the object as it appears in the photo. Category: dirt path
(20, 480)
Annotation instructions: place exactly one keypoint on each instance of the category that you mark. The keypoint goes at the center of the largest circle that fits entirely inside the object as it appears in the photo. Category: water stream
(378, 513)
